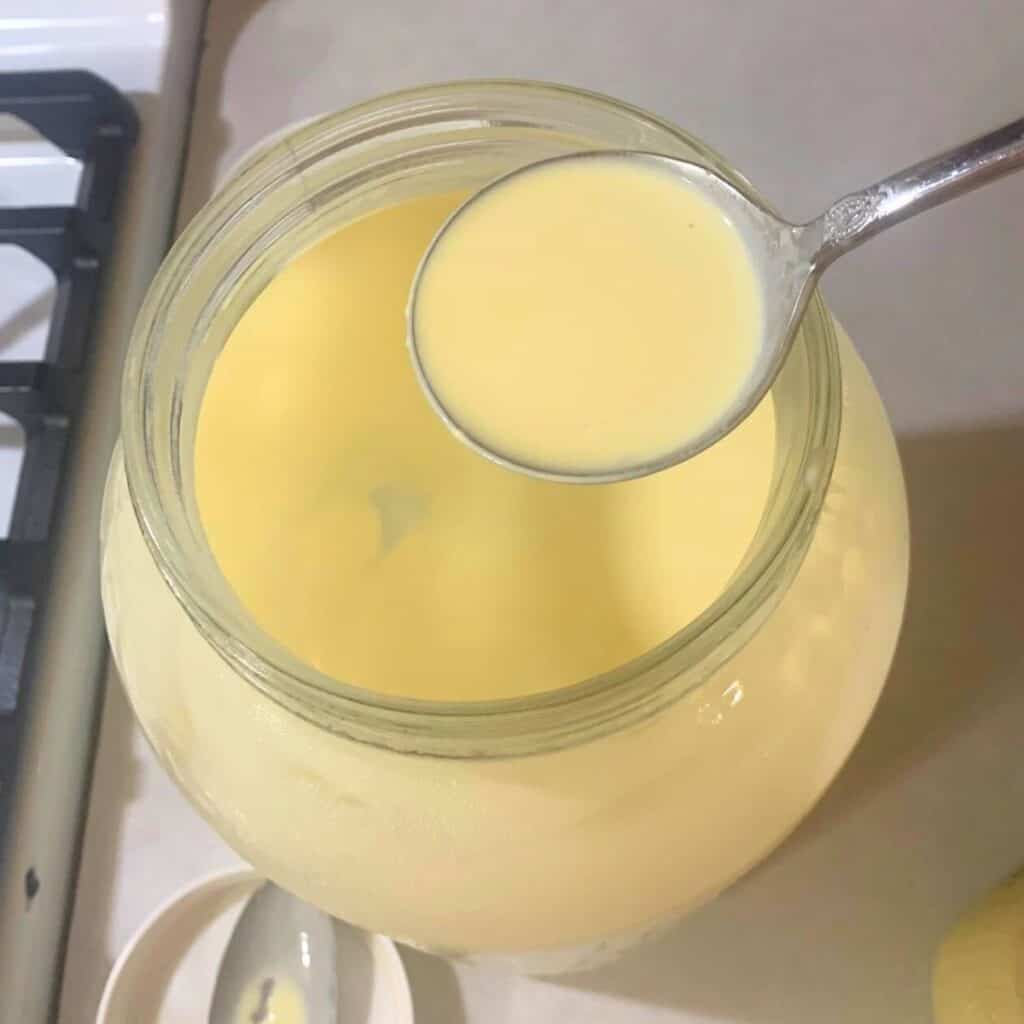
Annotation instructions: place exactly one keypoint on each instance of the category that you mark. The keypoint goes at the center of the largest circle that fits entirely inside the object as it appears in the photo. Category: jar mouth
(286, 196)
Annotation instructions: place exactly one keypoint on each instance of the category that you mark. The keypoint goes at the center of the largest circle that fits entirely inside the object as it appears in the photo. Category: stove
(91, 128)
(94, 111)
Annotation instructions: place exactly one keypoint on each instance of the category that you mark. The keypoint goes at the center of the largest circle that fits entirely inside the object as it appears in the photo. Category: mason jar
(543, 832)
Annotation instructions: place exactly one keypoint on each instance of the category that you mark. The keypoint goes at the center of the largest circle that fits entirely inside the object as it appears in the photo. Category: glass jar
(546, 831)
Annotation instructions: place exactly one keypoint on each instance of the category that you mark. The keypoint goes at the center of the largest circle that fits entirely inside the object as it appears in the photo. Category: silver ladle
(789, 259)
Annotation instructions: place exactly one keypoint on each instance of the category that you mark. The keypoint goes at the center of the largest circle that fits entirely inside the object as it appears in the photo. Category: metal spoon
(280, 964)
(789, 259)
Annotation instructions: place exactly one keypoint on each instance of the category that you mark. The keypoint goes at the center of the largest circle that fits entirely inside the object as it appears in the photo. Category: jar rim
(495, 728)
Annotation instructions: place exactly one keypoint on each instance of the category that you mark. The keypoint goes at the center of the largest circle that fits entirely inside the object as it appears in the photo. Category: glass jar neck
(297, 189)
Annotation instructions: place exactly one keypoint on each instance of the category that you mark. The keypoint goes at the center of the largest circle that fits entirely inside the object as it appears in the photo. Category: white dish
(166, 973)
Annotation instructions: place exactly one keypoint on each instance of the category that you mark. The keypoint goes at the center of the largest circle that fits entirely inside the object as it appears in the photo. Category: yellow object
(979, 972)
(588, 314)
(377, 547)
(272, 1000)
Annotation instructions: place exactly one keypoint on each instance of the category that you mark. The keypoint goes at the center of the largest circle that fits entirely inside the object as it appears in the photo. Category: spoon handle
(857, 217)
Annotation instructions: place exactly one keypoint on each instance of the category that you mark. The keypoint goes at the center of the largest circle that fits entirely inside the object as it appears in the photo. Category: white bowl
(167, 972)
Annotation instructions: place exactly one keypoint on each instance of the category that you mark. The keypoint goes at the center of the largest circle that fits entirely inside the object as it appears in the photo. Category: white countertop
(810, 98)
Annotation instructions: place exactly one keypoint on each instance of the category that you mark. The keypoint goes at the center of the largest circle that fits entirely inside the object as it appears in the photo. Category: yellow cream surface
(374, 545)
(588, 314)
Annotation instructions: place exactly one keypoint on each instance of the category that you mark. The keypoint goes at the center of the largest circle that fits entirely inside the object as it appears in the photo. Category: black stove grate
(93, 123)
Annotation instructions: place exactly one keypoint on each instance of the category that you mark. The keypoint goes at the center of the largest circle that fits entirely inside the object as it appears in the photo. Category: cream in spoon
(596, 317)
(586, 314)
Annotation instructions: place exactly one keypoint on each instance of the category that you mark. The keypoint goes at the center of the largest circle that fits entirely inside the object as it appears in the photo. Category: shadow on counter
(436, 995)
(841, 923)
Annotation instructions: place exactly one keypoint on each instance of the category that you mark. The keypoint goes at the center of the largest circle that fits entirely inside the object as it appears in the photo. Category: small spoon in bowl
(280, 964)
(787, 260)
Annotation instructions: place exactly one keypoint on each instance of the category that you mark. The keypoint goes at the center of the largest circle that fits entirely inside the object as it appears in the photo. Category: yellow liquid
(369, 541)
(588, 314)
(272, 1000)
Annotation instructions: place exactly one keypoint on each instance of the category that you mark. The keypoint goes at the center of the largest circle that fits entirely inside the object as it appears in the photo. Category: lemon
(979, 970)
